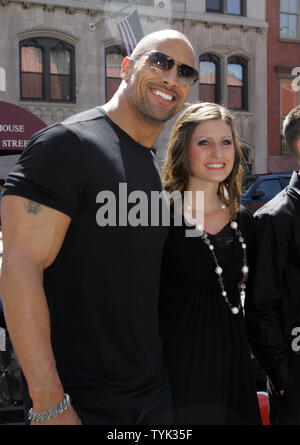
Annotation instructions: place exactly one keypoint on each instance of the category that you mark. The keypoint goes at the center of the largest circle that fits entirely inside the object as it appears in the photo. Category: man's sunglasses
(187, 74)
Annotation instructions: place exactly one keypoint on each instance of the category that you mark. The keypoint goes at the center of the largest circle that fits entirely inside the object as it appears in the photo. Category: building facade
(61, 57)
(283, 69)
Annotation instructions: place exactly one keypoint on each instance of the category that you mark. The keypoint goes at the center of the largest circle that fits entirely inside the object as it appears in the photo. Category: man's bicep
(32, 229)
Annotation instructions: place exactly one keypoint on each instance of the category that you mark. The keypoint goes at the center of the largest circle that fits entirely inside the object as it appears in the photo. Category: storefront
(17, 125)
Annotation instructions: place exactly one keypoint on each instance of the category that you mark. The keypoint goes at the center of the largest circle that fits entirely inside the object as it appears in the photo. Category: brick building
(283, 18)
(61, 57)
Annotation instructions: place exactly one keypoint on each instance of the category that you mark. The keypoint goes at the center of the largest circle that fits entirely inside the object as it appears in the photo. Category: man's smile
(164, 94)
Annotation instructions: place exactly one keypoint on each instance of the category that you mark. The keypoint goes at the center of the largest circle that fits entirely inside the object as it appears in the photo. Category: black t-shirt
(102, 289)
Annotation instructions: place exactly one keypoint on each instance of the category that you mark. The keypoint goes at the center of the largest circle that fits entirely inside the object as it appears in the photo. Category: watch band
(50, 413)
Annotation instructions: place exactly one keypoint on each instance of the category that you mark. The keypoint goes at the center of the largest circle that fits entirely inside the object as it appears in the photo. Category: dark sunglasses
(187, 74)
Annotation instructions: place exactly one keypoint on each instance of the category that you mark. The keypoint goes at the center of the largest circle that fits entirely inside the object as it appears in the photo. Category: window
(269, 187)
(224, 80)
(289, 19)
(113, 60)
(237, 83)
(136, 2)
(209, 80)
(47, 70)
(235, 7)
(31, 72)
(289, 99)
(285, 181)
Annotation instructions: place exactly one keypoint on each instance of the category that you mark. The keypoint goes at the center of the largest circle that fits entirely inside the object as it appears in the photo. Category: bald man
(79, 281)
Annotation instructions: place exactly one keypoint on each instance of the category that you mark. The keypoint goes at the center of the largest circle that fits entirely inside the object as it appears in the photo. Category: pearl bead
(245, 269)
(235, 310)
(218, 270)
(223, 207)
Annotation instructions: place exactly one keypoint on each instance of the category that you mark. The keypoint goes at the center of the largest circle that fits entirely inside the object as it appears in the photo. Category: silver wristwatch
(51, 413)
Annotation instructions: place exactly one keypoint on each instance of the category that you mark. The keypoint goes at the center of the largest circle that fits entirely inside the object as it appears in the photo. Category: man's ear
(125, 68)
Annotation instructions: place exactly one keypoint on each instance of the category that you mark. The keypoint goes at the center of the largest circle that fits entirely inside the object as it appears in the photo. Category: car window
(269, 186)
(247, 182)
(285, 181)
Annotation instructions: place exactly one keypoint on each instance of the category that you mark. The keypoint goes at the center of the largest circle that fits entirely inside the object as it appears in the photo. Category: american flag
(131, 32)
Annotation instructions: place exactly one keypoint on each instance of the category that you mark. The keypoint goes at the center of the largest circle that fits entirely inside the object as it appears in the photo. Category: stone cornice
(227, 22)
(47, 32)
(284, 71)
(118, 9)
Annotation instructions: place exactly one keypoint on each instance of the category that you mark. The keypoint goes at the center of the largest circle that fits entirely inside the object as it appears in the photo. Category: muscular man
(80, 298)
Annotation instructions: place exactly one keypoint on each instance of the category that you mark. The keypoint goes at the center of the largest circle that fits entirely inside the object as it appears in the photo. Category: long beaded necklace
(218, 270)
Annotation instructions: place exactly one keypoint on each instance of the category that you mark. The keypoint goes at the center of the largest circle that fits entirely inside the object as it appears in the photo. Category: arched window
(47, 69)
(209, 80)
(113, 60)
(237, 83)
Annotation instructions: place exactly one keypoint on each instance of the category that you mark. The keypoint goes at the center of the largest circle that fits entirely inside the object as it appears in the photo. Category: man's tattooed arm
(33, 207)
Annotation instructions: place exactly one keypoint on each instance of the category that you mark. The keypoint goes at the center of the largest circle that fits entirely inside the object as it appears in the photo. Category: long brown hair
(176, 172)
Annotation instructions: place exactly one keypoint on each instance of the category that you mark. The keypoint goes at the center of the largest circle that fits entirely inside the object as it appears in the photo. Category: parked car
(259, 189)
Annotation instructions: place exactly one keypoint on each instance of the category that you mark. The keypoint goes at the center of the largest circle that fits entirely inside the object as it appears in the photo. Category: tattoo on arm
(33, 207)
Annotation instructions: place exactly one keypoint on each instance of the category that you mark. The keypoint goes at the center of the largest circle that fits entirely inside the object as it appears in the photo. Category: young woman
(204, 274)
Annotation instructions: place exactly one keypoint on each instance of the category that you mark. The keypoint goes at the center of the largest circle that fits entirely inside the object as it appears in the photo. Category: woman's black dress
(205, 346)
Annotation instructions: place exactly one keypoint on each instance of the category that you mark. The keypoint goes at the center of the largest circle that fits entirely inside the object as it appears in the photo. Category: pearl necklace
(204, 236)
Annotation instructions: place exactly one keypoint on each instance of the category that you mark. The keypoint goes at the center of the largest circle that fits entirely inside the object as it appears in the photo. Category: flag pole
(110, 15)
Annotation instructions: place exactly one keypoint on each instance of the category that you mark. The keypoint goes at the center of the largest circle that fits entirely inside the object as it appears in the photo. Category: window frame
(32, 43)
(260, 187)
(290, 13)
(46, 44)
(240, 60)
(137, 2)
(222, 86)
(108, 50)
(223, 9)
(213, 58)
